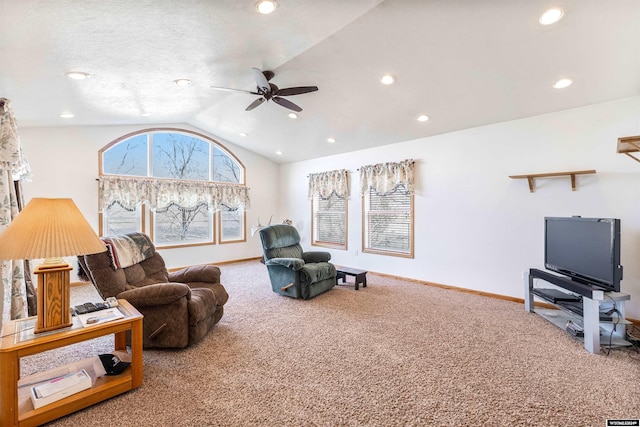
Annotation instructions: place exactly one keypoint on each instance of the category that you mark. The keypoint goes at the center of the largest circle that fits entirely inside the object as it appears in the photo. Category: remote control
(80, 309)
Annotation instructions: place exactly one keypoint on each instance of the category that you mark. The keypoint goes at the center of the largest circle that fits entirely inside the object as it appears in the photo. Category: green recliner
(292, 271)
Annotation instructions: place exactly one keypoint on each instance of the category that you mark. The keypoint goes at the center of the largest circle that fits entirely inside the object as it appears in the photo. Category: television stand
(589, 314)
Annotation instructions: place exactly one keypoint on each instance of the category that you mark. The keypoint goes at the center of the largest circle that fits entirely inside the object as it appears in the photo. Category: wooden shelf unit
(18, 340)
(531, 177)
(628, 145)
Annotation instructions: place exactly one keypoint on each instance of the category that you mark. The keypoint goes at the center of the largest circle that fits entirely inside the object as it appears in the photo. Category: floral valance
(160, 193)
(325, 183)
(385, 177)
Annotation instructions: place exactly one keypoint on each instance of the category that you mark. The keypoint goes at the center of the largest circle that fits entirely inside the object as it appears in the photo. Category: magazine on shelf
(59, 388)
(101, 316)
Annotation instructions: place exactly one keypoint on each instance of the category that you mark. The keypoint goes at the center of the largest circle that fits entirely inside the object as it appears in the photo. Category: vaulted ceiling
(464, 63)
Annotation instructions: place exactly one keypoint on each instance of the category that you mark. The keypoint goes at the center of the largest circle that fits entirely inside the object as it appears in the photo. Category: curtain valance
(160, 193)
(385, 177)
(325, 183)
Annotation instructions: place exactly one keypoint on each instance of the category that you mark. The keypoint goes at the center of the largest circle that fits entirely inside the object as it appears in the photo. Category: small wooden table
(360, 275)
(18, 340)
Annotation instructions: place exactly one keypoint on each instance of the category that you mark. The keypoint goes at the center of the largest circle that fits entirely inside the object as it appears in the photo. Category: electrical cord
(615, 311)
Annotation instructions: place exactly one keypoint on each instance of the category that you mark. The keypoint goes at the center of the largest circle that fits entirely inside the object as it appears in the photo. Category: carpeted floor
(393, 354)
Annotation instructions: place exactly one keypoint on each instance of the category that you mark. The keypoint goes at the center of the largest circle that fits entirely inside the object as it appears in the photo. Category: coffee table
(360, 275)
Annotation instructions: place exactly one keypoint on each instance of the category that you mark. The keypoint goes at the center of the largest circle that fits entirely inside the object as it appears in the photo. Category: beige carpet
(393, 354)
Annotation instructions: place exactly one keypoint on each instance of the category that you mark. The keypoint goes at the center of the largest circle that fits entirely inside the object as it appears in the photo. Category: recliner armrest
(316, 256)
(156, 294)
(293, 263)
(198, 273)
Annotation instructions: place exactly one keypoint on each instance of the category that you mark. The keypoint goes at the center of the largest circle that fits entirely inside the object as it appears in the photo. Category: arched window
(194, 186)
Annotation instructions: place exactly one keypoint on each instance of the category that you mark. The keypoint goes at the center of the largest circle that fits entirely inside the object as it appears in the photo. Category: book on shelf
(58, 388)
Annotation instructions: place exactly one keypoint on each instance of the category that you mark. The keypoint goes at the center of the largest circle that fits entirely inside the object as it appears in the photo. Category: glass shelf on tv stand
(594, 329)
(560, 317)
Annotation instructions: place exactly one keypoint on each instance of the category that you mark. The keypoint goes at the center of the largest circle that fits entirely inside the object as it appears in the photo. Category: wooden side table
(18, 340)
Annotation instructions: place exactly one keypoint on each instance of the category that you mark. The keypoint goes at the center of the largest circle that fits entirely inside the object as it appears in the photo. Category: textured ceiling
(465, 63)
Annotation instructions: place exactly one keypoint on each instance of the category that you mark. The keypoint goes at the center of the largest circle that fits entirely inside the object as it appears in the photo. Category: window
(231, 224)
(175, 172)
(388, 222)
(185, 225)
(118, 219)
(387, 208)
(329, 217)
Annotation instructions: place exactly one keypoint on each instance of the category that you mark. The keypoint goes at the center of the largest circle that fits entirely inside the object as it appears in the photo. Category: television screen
(585, 249)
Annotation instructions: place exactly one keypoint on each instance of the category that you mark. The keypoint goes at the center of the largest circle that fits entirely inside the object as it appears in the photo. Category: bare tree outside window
(178, 224)
(129, 157)
(225, 169)
(180, 156)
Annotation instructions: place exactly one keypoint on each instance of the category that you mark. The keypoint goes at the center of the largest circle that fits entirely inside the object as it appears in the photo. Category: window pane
(180, 156)
(128, 157)
(118, 220)
(389, 222)
(175, 225)
(231, 224)
(329, 220)
(225, 168)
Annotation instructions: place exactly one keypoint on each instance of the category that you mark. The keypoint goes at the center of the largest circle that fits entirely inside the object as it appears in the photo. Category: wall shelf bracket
(628, 145)
(572, 174)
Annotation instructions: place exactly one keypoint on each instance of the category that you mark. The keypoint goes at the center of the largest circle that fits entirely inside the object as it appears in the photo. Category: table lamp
(50, 229)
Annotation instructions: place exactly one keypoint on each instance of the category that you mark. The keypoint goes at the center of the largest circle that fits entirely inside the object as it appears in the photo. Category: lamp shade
(49, 228)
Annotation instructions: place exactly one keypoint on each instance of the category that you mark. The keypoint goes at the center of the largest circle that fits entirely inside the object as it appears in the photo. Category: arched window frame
(149, 218)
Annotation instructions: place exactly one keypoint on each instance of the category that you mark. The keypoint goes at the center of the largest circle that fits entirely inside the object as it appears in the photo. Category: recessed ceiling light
(67, 115)
(551, 16)
(244, 134)
(387, 79)
(182, 82)
(292, 115)
(265, 7)
(331, 140)
(77, 75)
(562, 83)
(279, 153)
(145, 114)
(423, 118)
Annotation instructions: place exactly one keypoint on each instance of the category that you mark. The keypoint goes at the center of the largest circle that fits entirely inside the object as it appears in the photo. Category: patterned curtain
(325, 183)
(385, 177)
(14, 167)
(160, 193)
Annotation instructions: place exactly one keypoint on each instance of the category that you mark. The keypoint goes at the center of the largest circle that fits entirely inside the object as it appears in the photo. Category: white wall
(476, 228)
(64, 161)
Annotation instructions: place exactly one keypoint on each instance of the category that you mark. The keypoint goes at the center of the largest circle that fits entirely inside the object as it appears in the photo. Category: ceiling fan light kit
(268, 91)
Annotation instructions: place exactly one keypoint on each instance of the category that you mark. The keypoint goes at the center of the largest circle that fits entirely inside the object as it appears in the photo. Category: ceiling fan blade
(261, 80)
(234, 90)
(286, 103)
(255, 104)
(295, 90)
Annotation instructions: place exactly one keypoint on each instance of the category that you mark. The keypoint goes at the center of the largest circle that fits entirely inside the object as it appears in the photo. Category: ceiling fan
(268, 91)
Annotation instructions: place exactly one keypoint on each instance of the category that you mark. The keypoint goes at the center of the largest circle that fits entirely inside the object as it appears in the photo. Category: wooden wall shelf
(531, 177)
(628, 145)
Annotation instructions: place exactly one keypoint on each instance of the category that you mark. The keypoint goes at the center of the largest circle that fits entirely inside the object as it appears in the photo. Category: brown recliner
(179, 308)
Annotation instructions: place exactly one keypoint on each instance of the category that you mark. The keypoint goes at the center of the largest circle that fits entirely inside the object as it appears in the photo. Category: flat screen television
(585, 249)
